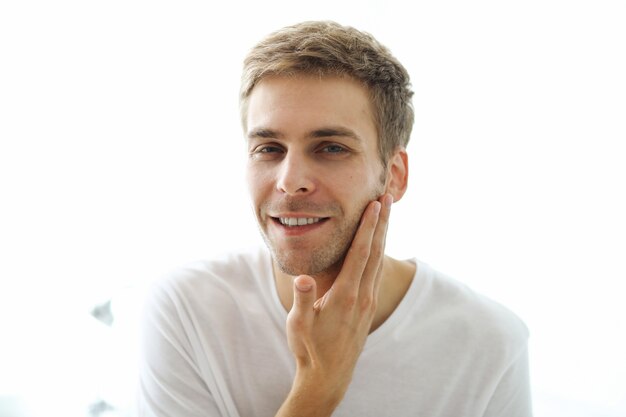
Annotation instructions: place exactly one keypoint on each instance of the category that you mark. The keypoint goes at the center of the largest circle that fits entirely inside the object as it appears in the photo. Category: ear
(397, 174)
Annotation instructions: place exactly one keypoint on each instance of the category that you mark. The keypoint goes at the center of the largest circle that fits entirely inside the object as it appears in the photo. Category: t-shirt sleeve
(170, 382)
(512, 395)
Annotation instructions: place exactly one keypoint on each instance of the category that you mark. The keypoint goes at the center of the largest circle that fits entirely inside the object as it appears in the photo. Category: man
(323, 323)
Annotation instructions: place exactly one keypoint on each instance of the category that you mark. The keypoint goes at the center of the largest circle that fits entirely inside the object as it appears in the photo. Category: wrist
(312, 395)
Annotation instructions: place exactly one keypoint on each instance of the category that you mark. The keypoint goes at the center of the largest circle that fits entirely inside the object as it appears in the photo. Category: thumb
(304, 294)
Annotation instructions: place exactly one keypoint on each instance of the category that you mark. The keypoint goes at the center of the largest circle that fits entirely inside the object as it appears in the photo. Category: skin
(312, 145)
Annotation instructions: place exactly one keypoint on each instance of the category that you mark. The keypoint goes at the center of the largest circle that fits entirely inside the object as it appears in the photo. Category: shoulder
(215, 281)
(481, 323)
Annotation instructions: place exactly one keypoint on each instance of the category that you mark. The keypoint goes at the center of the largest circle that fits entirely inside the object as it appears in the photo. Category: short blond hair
(327, 48)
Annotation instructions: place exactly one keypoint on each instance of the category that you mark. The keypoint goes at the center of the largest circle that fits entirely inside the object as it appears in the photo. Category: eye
(334, 149)
(266, 152)
(269, 149)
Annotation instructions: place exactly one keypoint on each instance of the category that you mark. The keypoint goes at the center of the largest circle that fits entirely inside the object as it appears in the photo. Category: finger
(300, 318)
(321, 302)
(304, 293)
(373, 270)
(348, 281)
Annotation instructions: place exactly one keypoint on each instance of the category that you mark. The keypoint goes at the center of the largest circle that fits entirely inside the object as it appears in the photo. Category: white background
(121, 156)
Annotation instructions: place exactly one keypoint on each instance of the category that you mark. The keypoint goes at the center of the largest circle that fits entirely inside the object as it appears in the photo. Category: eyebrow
(325, 132)
(264, 133)
(334, 131)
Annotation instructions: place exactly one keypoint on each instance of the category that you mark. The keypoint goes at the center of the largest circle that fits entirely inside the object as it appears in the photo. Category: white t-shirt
(214, 344)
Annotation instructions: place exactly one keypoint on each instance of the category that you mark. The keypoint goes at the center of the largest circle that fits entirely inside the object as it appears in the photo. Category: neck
(395, 281)
(284, 283)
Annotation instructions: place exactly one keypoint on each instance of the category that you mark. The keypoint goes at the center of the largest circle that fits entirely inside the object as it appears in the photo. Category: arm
(170, 381)
(512, 395)
(327, 335)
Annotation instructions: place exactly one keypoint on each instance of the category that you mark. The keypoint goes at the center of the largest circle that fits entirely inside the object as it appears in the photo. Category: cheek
(251, 182)
(259, 182)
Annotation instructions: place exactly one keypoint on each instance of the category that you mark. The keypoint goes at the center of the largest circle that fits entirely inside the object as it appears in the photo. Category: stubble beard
(326, 258)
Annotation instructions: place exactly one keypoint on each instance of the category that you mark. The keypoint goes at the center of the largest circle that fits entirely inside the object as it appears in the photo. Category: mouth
(299, 221)
(296, 226)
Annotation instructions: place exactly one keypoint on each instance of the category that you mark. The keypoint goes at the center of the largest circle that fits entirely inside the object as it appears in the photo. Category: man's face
(313, 167)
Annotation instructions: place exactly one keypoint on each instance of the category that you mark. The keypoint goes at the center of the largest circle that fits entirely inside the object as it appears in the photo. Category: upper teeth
(298, 221)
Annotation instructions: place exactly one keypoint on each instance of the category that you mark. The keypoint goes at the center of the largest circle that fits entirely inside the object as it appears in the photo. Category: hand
(327, 335)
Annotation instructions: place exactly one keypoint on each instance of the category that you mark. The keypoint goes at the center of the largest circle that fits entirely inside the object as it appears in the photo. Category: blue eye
(334, 149)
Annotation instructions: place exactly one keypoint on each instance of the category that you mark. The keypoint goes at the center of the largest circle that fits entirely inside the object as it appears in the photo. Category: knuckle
(359, 253)
(350, 301)
(374, 305)
(363, 252)
(368, 303)
(296, 322)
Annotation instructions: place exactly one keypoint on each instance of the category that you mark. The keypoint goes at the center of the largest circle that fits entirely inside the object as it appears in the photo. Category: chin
(315, 263)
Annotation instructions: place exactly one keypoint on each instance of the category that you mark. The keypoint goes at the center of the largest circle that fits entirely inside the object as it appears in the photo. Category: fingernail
(377, 207)
(304, 287)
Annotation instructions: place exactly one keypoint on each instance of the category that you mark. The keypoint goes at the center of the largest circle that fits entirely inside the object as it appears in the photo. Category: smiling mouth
(299, 221)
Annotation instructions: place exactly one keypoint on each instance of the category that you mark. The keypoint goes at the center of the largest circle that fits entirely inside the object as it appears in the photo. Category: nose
(295, 176)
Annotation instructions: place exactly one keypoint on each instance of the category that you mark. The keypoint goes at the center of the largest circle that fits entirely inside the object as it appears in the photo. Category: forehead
(303, 103)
